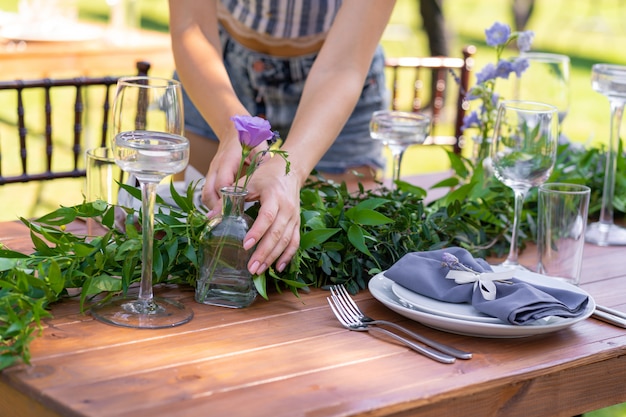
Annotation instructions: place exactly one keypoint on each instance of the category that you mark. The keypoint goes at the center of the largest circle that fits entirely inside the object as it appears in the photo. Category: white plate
(461, 311)
(75, 32)
(381, 288)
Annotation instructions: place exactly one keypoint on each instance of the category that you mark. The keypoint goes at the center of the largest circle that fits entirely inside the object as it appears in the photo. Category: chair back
(435, 81)
(44, 150)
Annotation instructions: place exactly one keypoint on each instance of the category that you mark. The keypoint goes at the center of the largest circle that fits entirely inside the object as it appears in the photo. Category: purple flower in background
(520, 65)
(524, 40)
(498, 34)
(252, 131)
(471, 120)
(486, 74)
(504, 69)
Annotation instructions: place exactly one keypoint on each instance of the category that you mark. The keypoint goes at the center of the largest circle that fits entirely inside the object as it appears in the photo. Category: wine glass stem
(397, 163)
(606, 213)
(520, 195)
(148, 197)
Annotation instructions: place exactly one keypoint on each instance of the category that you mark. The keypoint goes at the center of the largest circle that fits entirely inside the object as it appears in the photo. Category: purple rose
(252, 130)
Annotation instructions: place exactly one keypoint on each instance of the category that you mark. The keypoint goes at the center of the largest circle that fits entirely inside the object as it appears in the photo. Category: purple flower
(449, 259)
(486, 74)
(471, 120)
(498, 34)
(504, 69)
(520, 65)
(452, 262)
(252, 131)
(524, 40)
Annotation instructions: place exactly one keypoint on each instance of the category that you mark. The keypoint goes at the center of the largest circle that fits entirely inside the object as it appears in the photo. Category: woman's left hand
(276, 230)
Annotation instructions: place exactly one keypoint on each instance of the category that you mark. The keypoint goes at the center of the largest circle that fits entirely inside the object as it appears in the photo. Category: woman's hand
(276, 230)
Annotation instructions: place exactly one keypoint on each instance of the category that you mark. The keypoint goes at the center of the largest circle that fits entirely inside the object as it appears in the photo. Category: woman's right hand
(222, 172)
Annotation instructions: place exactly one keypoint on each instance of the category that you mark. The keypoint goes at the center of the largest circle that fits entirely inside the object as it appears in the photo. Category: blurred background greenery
(588, 31)
(585, 30)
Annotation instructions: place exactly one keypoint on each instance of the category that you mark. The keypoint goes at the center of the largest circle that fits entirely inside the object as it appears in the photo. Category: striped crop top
(280, 19)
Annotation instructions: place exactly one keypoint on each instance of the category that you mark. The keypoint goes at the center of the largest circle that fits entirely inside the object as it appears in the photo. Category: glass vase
(223, 279)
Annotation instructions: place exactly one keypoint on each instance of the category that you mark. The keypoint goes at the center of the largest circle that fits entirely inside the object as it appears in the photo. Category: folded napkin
(514, 302)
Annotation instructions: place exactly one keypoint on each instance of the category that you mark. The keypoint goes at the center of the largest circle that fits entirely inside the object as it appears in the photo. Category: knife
(610, 315)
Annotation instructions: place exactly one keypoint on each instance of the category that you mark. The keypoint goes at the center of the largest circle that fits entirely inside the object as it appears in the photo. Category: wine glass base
(508, 264)
(157, 313)
(605, 234)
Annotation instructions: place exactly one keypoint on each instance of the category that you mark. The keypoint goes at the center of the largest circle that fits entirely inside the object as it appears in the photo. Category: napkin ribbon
(482, 280)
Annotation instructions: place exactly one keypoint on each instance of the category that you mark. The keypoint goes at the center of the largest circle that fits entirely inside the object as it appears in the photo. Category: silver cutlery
(350, 306)
(347, 322)
(610, 315)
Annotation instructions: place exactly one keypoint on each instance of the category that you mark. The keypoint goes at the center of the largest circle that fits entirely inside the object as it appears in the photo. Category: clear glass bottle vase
(223, 279)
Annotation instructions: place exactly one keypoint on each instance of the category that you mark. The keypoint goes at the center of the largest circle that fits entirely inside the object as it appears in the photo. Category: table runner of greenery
(345, 239)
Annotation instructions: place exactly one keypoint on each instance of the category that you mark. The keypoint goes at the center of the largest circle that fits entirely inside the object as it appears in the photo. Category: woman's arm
(331, 92)
(199, 63)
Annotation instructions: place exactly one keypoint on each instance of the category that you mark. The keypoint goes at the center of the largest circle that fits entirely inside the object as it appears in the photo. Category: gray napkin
(516, 302)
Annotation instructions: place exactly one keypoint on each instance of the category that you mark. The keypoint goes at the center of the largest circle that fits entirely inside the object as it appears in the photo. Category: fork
(347, 322)
(343, 296)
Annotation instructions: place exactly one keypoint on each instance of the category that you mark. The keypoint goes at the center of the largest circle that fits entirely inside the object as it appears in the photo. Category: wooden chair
(44, 152)
(435, 81)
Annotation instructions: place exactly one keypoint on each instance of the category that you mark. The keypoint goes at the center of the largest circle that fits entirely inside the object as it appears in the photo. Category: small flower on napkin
(514, 302)
(485, 281)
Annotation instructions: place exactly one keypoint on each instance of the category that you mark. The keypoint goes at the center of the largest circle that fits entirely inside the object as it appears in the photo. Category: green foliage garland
(345, 238)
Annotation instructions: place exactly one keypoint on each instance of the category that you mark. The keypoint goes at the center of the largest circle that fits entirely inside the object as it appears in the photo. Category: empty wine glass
(148, 143)
(609, 80)
(523, 153)
(398, 130)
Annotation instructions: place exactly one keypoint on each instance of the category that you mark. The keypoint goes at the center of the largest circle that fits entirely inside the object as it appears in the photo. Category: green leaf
(83, 249)
(41, 246)
(61, 216)
(316, 237)
(371, 203)
(103, 282)
(367, 217)
(6, 264)
(356, 237)
(260, 285)
(55, 278)
(184, 203)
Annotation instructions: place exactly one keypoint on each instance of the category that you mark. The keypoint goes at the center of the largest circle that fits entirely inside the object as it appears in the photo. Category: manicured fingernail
(254, 267)
(281, 267)
(261, 269)
(248, 244)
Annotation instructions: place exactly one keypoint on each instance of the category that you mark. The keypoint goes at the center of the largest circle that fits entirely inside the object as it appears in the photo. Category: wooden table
(100, 56)
(290, 357)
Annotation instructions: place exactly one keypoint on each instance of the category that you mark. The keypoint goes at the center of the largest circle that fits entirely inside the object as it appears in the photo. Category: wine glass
(546, 80)
(609, 80)
(398, 130)
(523, 153)
(148, 143)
